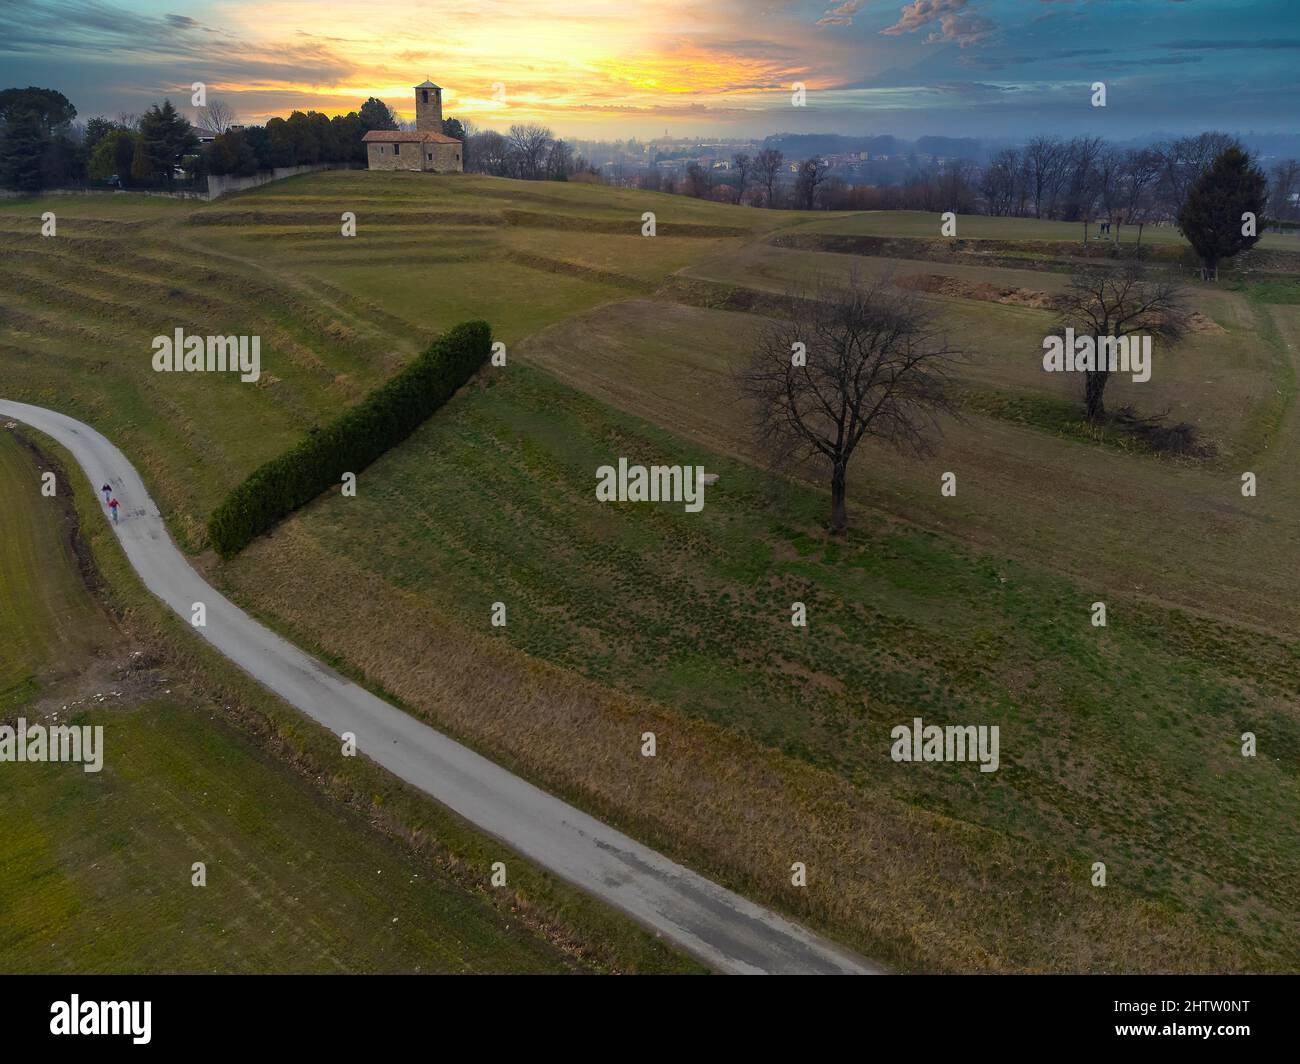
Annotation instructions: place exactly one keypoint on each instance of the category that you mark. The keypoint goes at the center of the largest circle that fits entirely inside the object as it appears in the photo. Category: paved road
(722, 929)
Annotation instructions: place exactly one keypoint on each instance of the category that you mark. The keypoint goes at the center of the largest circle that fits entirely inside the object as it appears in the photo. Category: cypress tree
(22, 148)
(1213, 216)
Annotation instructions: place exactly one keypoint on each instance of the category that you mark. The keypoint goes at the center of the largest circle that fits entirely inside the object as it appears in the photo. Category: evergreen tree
(1212, 217)
(348, 131)
(142, 167)
(167, 137)
(54, 110)
(375, 114)
(22, 149)
(96, 130)
(280, 149)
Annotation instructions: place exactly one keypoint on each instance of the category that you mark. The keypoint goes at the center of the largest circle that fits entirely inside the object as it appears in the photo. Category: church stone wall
(415, 155)
(445, 157)
(382, 157)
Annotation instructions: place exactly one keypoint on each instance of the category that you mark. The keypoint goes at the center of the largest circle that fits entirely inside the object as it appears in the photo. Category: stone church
(424, 148)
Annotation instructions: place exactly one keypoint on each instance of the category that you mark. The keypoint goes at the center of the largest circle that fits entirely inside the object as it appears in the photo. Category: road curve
(723, 930)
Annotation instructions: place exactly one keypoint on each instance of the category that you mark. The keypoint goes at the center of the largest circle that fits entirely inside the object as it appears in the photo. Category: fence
(202, 186)
(193, 188)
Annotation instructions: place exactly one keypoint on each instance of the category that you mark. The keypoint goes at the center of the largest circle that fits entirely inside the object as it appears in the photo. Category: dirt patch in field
(1201, 323)
(941, 285)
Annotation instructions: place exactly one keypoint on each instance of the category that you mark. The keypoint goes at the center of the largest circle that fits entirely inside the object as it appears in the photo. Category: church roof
(427, 84)
(406, 136)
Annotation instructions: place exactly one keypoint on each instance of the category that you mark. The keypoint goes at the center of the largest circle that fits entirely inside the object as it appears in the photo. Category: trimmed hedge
(351, 441)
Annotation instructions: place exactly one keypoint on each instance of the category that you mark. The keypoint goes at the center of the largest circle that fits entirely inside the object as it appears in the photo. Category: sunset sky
(600, 68)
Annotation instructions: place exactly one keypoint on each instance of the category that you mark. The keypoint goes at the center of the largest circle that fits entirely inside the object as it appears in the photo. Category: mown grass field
(1118, 521)
(48, 621)
(95, 868)
(336, 315)
(1118, 744)
(924, 225)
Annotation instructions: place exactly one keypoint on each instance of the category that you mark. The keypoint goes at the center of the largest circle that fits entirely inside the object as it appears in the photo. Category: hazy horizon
(993, 69)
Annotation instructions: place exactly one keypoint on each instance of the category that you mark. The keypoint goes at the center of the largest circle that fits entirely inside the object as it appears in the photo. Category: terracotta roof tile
(389, 136)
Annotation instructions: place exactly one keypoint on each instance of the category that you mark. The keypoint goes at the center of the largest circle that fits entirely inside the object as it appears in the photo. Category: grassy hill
(336, 315)
(923, 225)
(1119, 744)
(96, 866)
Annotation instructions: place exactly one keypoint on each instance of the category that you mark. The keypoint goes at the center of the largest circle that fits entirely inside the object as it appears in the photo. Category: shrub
(351, 441)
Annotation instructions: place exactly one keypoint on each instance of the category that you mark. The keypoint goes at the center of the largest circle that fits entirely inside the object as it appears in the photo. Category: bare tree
(1139, 175)
(527, 147)
(1043, 159)
(217, 116)
(843, 362)
(767, 170)
(1182, 161)
(743, 167)
(1283, 185)
(1113, 304)
(1003, 183)
(697, 182)
(486, 152)
(1108, 191)
(1079, 178)
(956, 186)
(559, 161)
(812, 172)
(996, 183)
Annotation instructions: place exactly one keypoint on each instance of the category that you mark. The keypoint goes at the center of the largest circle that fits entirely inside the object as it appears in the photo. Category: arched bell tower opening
(428, 108)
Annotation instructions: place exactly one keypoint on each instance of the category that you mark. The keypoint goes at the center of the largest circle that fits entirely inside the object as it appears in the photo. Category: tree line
(43, 146)
(1082, 178)
(529, 152)
(351, 441)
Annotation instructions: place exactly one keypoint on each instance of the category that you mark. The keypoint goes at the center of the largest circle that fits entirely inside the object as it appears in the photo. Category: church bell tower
(428, 108)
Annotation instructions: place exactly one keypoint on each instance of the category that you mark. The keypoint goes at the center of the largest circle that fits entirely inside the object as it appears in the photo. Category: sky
(615, 69)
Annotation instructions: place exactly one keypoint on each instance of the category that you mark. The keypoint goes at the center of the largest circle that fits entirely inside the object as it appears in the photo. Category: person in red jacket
(112, 505)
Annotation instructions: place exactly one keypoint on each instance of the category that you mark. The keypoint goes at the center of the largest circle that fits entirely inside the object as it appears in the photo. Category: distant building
(424, 148)
(207, 136)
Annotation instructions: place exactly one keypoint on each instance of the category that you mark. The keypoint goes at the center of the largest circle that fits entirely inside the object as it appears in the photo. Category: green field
(48, 624)
(95, 868)
(1118, 745)
(335, 316)
(926, 225)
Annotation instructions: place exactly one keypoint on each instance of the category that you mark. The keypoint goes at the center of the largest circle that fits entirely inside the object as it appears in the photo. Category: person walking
(107, 492)
(112, 505)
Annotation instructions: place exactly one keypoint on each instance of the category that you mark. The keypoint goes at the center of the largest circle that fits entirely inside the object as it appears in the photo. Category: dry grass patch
(917, 889)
